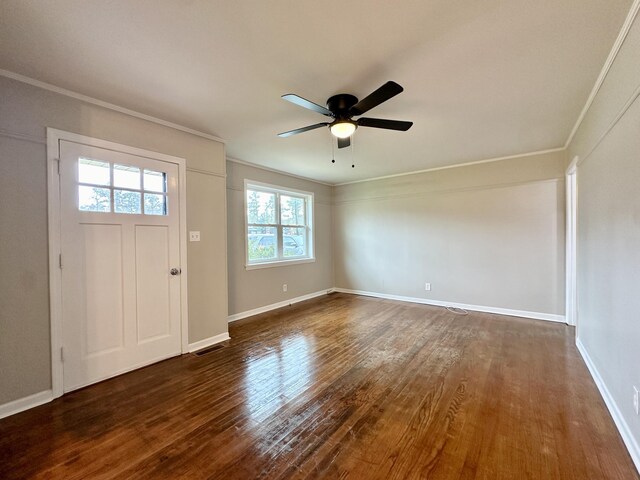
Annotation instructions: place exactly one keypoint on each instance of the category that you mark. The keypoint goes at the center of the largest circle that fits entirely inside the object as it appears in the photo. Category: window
(111, 187)
(279, 225)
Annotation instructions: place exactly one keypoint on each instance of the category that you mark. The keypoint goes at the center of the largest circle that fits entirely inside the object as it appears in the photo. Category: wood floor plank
(343, 387)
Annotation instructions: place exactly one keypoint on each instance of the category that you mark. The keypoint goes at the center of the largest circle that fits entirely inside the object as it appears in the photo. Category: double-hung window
(279, 225)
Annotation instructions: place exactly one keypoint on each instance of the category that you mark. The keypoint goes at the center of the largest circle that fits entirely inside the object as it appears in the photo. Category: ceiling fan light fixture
(343, 129)
(341, 109)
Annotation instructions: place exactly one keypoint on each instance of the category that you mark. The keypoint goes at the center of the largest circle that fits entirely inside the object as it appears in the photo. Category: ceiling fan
(343, 107)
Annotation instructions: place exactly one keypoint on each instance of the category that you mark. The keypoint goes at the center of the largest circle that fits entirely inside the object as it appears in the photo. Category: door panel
(120, 238)
(152, 263)
(103, 288)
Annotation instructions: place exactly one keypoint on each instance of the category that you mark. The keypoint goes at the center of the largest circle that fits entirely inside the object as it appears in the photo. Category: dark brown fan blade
(303, 102)
(303, 129)
(384, 93)
(387, 124)
(344, 142)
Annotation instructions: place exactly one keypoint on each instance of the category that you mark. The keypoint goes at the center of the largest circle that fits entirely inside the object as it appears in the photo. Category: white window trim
(311, 237)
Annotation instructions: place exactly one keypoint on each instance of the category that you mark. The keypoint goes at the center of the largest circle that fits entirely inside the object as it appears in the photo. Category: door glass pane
(292, 210)
(294, 241)
(263, 243)
(261, 207)
(93, 171)
(125, 176)
(94, 199)
(155, 181)
(155, 204)
(126, 201)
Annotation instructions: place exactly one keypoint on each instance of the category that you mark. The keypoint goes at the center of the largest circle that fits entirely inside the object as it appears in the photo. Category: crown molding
(457, 165)
(107, 105)
(622, 36)
(274, 170)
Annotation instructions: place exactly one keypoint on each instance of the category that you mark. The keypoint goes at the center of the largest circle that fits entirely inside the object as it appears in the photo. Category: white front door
(120, 240)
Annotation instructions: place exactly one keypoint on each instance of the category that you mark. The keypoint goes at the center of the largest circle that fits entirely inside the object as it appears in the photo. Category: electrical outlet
(635, 399)
(427, 287)
(194, 236)
(284, 287)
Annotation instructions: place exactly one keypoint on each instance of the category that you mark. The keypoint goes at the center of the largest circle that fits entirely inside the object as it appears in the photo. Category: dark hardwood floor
(334, 388)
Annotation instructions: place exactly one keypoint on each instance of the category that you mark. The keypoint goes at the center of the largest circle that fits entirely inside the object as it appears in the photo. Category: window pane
(155, 204)
(261, 207)
(155, 181)
(126, 201)
(262, 243)
(291, 210)
(94, 199)
(93, 171)
(294, 241)
(126, 177)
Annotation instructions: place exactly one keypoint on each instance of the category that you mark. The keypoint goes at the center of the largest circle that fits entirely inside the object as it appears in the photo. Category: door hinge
(60, 260)
(58, 162)
(62, 354)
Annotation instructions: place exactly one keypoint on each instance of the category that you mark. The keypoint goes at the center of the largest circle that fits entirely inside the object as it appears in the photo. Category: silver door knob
(175, 271)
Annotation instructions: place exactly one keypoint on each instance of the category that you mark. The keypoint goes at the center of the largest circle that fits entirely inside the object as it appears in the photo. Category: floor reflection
(275, 377)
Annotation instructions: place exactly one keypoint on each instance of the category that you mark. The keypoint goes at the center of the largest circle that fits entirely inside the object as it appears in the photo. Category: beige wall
(25, 112)
(489, 235)
(250, 289)
(608, 232)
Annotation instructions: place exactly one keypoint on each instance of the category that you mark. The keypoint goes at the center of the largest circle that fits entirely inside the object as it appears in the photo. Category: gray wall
(25, 111)
(489, 235)
(250, 289)
(608, 230)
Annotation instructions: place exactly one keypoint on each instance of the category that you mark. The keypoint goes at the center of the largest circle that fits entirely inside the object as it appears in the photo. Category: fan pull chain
(333, 155)
(353, 165)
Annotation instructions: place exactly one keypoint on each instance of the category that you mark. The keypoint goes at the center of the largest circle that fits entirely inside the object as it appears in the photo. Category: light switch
(194, 236)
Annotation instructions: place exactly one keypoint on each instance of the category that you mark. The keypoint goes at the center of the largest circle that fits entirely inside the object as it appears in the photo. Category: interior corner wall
(607, 145)
(255, 289)
(488, 235)
(25, 112)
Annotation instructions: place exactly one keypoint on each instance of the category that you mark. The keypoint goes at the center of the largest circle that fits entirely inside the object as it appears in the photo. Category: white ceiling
(482, 79)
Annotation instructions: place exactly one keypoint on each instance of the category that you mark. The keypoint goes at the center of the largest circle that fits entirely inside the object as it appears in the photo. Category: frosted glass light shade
(343, 129)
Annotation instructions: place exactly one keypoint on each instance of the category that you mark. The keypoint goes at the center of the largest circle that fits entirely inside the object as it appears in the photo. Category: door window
(116, 188)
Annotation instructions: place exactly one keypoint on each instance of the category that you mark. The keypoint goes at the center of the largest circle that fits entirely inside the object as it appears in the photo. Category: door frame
(54, 137)
(571, 295)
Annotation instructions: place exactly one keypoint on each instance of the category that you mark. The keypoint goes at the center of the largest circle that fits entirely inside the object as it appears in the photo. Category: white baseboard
(273, 306)
(625, 432)
(207, 342)
(31, 401)
(476, 308)
(25, 403)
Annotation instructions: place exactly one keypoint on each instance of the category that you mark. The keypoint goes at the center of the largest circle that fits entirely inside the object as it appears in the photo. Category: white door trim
(571, 295)
(54, 137)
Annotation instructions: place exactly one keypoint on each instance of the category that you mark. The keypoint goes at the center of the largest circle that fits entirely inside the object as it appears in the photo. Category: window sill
(279, 263)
